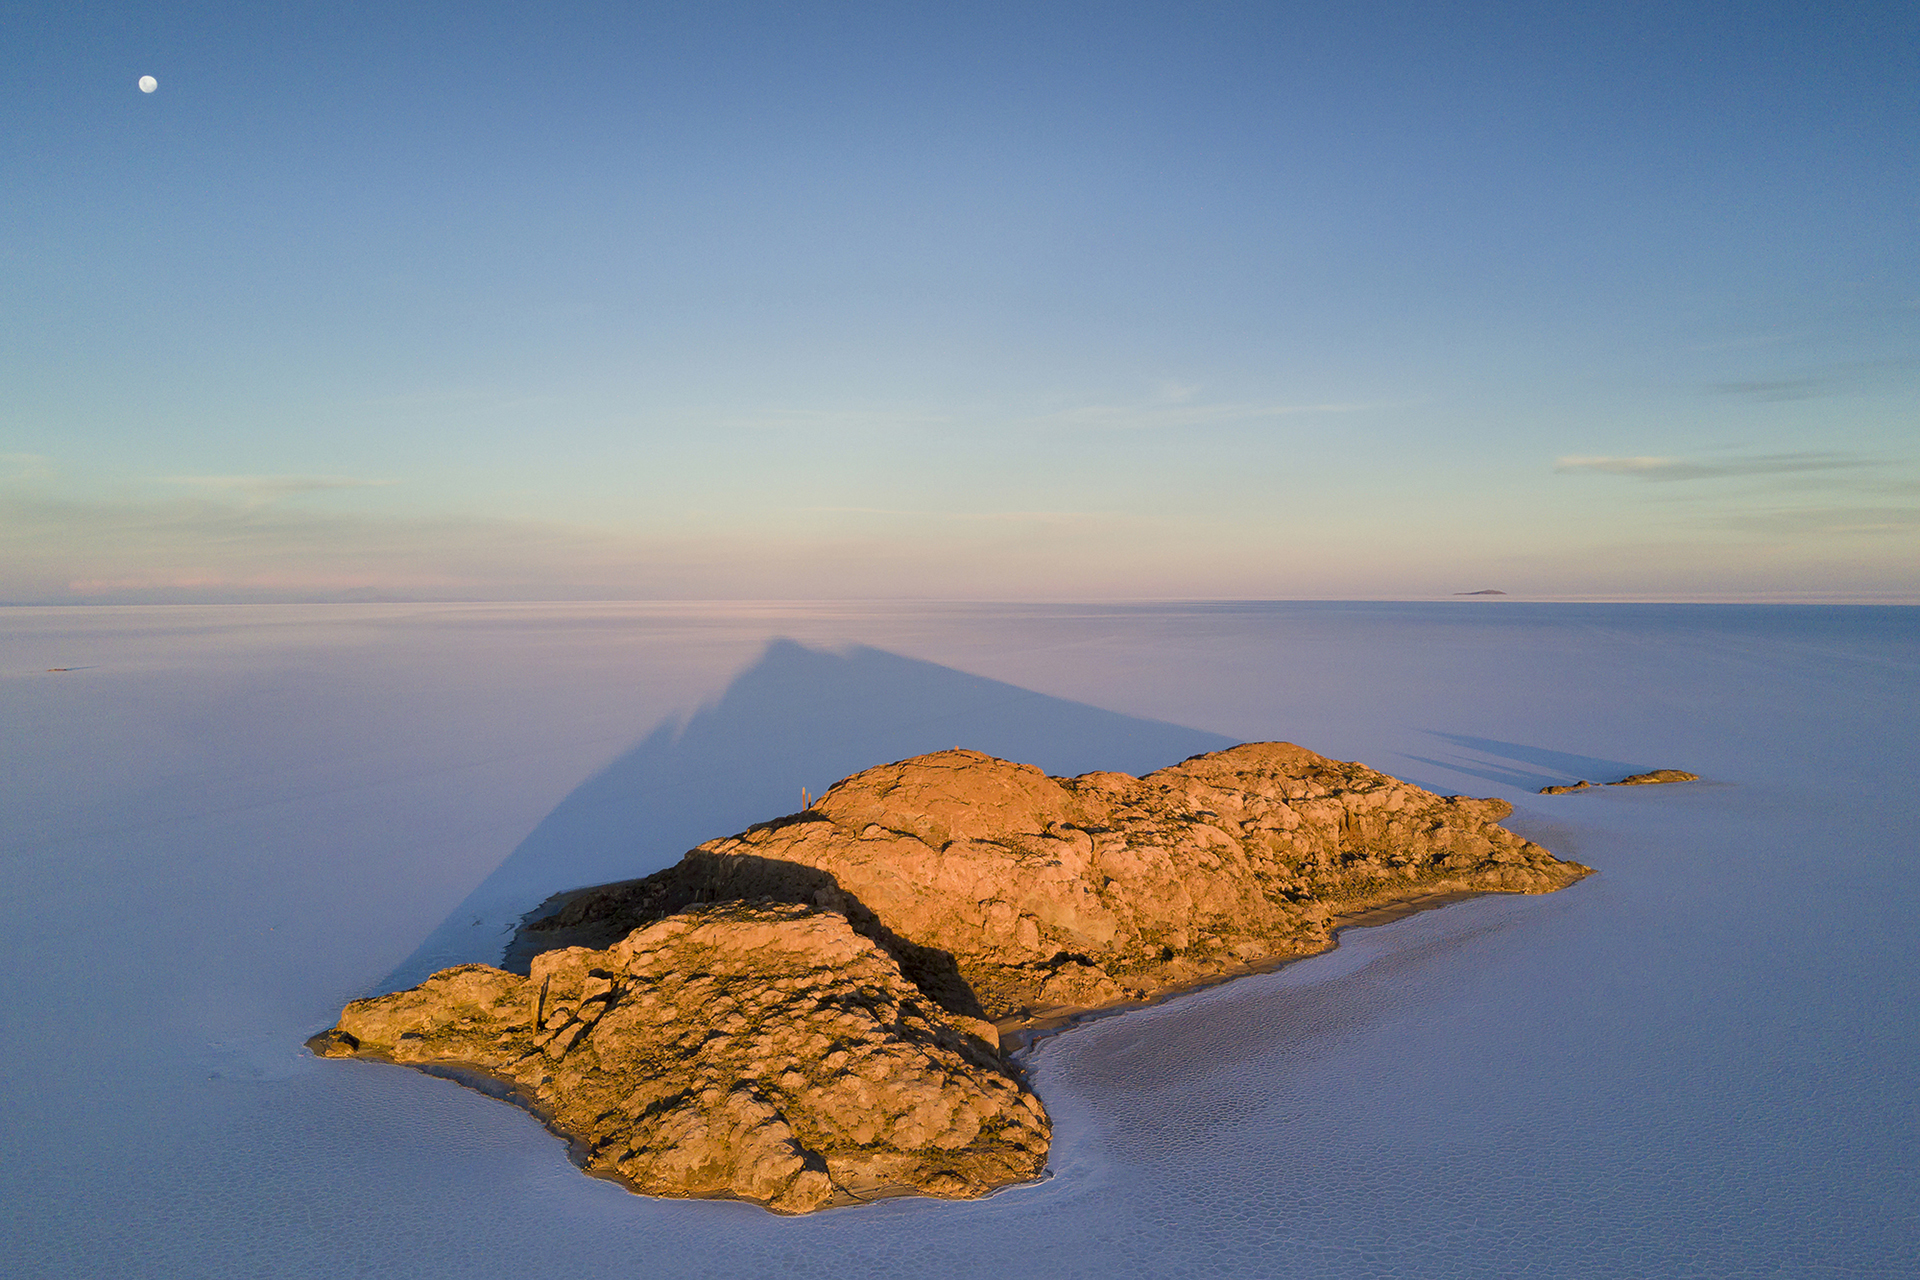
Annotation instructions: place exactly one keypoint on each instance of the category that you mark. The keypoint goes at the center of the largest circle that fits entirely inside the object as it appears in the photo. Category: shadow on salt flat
(799, 717)
(1531, 767)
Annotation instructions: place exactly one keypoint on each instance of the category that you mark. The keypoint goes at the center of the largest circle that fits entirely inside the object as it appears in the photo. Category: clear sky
(1033, 300)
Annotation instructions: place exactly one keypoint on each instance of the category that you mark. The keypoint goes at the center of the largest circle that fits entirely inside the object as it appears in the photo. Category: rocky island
(812, 1012)
(1656, 777)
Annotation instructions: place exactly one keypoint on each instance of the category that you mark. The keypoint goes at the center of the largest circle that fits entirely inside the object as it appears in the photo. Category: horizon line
(1898, 599)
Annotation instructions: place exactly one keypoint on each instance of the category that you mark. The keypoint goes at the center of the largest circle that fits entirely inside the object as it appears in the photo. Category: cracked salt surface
(1698, 1062)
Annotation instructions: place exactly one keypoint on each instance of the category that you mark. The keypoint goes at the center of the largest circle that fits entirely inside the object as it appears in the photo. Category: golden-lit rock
(805, 1014)
(765, 1053)
(1654, 778)
(1011, 895)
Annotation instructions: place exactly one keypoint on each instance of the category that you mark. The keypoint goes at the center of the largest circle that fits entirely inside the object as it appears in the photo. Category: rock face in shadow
(804, 1014)
(765, 1053)
(1011, 895)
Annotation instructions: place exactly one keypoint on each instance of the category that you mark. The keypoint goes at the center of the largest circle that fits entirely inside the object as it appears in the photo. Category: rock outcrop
(1011, 895)
(764, 1053)
(1654, 778)
(805, 1014)
(1657, 776)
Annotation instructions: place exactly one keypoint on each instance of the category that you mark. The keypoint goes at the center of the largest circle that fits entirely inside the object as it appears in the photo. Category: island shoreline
(1022, 1035)
(839, 1005)
(1020, 1038)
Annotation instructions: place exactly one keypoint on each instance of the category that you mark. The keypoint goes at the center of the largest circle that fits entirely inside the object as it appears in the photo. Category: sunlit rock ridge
(809, 1013)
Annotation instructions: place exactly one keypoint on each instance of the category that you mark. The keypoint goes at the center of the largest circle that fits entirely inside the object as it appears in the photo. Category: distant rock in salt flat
(1654, 778)
(805, 1014)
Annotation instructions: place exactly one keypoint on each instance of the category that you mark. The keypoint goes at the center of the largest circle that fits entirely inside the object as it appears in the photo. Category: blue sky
(855, 300)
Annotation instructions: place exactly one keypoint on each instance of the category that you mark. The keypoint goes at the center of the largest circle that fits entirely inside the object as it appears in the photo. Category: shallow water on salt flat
(227, 821)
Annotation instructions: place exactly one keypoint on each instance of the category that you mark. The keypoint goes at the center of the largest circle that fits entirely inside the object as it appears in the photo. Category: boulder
(754, 1052)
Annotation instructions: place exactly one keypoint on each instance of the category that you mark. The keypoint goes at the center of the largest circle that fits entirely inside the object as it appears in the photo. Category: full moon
(148, 84)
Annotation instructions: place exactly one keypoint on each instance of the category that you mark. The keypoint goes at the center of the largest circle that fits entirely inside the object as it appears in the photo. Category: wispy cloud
(205, 548)
(1831, 379)
(1149, 417)
(216, 546)
(1667, 468)
(832, 419)
(1828, 521)
(32, 467)
(1876, 486)
(976, 517)
(1744, 344)
(1172, 404)
(1775, 388)
(255, 490)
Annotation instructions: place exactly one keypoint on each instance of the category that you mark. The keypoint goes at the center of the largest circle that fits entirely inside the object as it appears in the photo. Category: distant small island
(821, 1009)
(1654, 778)
(1488, 592)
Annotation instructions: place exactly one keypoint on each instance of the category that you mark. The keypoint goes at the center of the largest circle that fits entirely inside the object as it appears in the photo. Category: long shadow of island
(797, 718)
